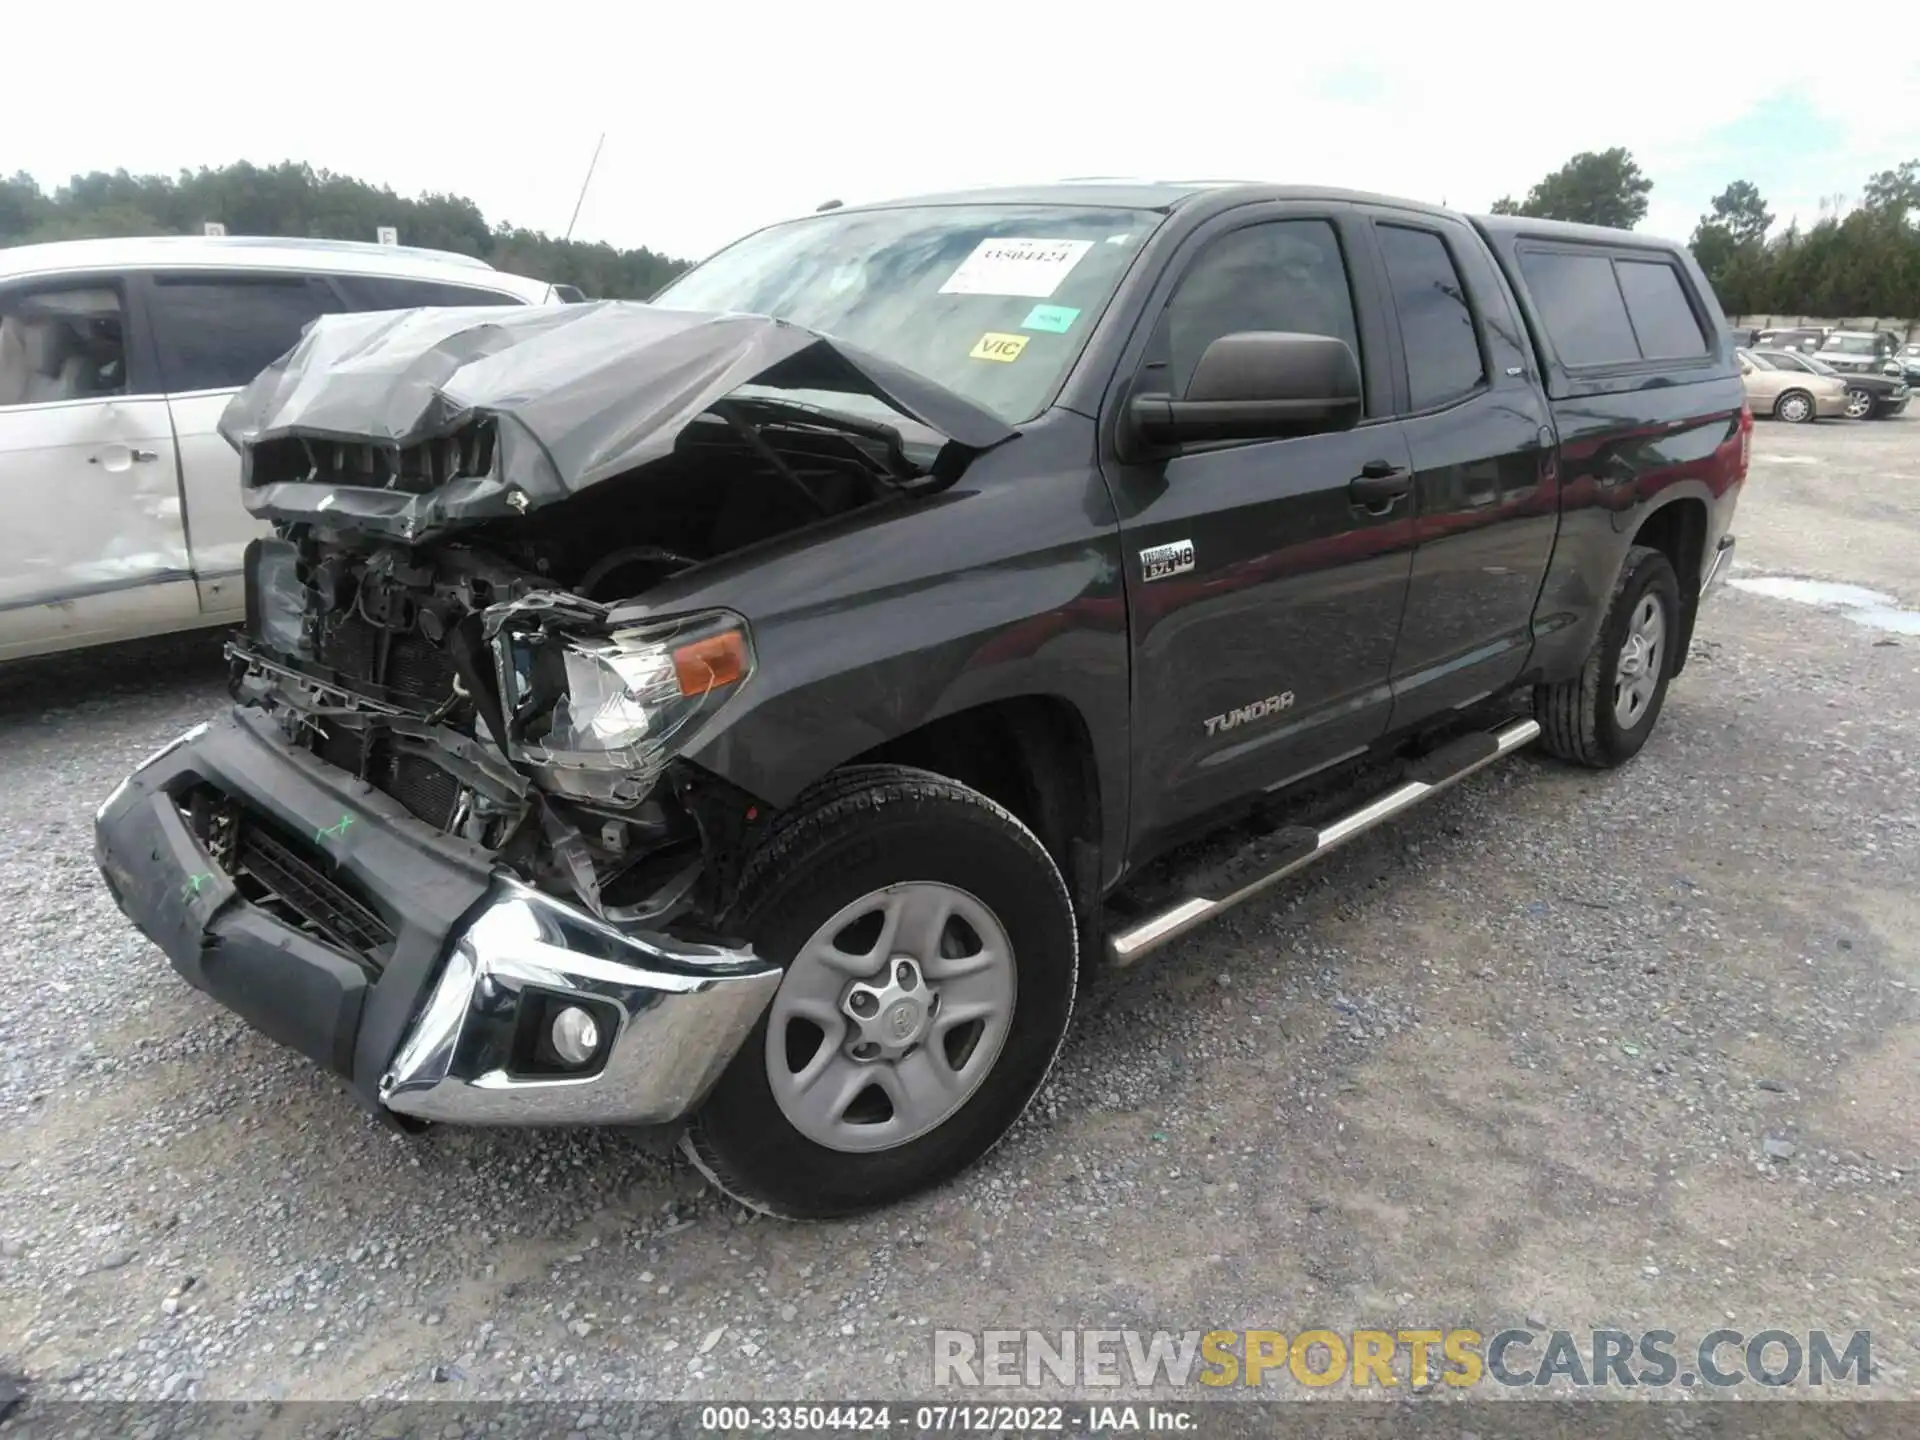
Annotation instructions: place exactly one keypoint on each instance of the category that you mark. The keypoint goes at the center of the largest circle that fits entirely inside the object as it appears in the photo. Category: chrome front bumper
(671, 1016)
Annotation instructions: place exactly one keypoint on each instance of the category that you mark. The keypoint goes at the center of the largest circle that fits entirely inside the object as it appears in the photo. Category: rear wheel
(1601, 717)
(1795, 407)
(930, 955)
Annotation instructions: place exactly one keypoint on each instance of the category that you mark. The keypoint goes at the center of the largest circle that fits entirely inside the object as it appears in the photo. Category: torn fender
(576, 394)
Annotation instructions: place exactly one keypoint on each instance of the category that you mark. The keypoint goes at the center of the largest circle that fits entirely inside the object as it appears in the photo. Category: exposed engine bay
(479, 682)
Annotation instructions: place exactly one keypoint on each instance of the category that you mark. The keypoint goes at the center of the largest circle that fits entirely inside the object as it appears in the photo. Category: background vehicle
(1858, 352)
(1877, 397)
(1796, 394)
(1805, 340)
(1909, 360)
(697, 714)
(116, 359)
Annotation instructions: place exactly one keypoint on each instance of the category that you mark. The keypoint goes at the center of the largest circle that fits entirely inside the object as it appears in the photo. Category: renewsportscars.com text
(1385, 1359)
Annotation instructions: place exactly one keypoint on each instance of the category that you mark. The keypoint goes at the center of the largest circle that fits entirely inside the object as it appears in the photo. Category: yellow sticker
(1004, 348)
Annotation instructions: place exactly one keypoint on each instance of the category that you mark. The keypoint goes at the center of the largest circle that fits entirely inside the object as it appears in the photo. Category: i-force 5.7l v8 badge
(1157, 562)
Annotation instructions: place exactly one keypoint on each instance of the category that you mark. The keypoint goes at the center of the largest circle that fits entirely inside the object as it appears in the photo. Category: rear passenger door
(1486, 501)
(212, 332)
(92, 548)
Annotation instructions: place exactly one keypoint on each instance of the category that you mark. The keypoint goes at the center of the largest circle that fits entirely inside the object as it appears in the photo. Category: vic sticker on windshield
(1009, 266)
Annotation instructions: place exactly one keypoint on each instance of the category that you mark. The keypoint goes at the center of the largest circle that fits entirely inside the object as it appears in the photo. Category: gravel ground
(1564, 1049)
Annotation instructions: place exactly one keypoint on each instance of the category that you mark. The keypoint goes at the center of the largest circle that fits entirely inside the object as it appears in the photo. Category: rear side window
(1436, 325)
(387, 292)
(60, 343)
(1603, 310)
(1657, 305)
(1581, 305)
(218, 332)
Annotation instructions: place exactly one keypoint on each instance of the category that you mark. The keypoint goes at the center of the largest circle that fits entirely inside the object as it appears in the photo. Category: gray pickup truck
(757, 711)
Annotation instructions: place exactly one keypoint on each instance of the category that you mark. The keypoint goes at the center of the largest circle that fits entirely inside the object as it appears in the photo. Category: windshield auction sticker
(1011, 266)
(1004, 348)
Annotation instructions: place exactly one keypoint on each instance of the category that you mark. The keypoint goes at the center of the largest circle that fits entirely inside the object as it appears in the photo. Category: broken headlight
(597, 716)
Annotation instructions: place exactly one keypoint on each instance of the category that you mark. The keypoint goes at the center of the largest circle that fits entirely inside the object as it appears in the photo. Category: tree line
(1865, 261)
(297, 200)
(1860, 261)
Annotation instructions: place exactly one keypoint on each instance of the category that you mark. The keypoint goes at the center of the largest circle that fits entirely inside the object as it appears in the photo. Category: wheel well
(1032, 754)
(1679, 532)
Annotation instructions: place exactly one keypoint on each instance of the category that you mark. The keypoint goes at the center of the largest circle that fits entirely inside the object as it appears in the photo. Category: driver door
(1264, 594)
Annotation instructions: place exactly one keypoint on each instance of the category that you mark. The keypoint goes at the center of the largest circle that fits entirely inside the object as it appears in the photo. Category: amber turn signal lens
(711, 663)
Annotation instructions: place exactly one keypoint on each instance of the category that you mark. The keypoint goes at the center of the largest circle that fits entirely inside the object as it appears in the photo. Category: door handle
(1379, 484)
(134, 457)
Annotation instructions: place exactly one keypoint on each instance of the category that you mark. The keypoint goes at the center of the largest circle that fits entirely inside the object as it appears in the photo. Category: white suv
(116, 359)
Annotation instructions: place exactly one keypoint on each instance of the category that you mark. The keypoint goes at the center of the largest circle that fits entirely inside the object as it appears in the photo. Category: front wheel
(1602, 716)
(1795, 407)
(931, 957)
(1859, 404)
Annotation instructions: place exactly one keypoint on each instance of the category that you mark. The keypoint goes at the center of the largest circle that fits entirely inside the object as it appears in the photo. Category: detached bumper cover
(431, 1028)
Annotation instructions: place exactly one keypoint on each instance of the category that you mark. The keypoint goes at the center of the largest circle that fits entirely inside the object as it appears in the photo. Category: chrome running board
(1446, 766)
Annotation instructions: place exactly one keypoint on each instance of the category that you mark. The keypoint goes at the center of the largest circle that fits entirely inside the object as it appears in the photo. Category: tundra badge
(1158, 562)
(1241, 714)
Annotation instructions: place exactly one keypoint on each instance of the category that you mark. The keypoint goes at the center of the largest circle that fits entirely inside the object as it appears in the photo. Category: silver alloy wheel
(1859, 404)
(1796, 408)
(1642, 654)
(890, 1016)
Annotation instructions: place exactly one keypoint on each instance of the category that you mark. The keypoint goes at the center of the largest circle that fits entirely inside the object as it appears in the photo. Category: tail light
(1746, 439)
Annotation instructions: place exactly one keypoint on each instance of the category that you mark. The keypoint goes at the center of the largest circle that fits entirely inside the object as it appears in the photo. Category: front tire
(1601, 717)
(931, 958)
(1795, 407)
(1859, 404)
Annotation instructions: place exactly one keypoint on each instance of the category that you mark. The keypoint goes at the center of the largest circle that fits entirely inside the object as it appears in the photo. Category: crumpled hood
(577, 394)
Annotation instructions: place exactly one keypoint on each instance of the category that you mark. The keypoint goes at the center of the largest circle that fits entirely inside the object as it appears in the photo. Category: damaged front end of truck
(446, 841)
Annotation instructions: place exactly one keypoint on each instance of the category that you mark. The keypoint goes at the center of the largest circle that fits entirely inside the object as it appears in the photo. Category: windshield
(993, 301)
(1849, 344)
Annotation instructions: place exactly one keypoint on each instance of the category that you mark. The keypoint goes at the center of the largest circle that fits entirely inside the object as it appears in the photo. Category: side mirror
(1257, 385)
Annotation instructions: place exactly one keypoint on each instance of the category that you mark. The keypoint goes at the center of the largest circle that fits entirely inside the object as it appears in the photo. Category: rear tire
(1795, 407)
(931, 958)
(1601, 717)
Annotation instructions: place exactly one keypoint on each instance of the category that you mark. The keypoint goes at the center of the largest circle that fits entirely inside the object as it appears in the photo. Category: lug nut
(865, 1050)
(575, 1035)
(862, 1003)
(903, 973)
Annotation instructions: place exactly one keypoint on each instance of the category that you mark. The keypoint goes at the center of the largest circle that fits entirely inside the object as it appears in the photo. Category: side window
(1581, 306)
(1436, 323)
(218, 332)
(1657, 305)
(388, 292)
(61, 343)
(1278, 275)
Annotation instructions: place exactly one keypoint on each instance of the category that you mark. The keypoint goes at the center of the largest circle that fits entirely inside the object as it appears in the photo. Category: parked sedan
(1868, 396)
(1787, 392)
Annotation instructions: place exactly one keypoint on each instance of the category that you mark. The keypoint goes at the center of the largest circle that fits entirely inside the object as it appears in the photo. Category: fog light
(575, 1035)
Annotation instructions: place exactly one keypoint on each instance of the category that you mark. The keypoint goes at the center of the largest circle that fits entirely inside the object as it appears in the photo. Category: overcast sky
(723, 117)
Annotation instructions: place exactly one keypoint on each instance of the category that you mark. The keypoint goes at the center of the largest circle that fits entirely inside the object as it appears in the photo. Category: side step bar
(1431, 775)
